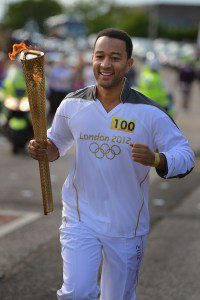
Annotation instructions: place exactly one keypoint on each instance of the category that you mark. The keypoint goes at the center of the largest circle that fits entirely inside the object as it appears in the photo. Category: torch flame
(17, 48)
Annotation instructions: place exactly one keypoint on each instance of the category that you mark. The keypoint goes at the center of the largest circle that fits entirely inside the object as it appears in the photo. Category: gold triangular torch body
(35, 83)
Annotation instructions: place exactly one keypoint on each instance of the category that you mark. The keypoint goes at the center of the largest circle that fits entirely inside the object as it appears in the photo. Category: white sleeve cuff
(177, 165)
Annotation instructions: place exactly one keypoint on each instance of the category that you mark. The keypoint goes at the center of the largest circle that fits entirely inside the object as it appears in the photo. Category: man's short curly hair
(117, 34)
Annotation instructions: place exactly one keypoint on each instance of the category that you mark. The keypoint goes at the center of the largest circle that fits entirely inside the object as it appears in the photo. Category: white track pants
(82, 251)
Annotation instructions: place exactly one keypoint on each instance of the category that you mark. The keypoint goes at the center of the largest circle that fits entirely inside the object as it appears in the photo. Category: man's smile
(106, 73)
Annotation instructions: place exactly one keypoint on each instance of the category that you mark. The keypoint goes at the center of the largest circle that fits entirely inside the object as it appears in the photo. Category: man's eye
(115, 58)
(99, 56)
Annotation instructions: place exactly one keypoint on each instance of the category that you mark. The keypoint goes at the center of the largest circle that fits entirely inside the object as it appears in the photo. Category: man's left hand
(142, 154)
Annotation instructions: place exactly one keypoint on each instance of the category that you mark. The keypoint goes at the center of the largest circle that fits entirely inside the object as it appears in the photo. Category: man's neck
(109, 97)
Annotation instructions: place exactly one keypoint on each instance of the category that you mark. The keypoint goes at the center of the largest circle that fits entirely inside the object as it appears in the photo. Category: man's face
(110, 62)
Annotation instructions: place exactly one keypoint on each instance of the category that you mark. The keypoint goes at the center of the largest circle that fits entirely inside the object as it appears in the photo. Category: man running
(119, 135)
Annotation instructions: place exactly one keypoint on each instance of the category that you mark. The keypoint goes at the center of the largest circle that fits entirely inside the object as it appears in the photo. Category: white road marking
(158, 202)
(27, 193)
(164, 185)
(24, 218)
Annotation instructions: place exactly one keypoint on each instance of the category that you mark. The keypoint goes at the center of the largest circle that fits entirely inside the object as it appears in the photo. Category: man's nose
(106, 62)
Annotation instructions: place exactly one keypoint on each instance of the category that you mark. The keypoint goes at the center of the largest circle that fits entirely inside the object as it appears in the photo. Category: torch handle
(35, 84)
(46, 186)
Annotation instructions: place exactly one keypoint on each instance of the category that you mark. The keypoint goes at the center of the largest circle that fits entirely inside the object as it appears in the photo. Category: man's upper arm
(60, 133)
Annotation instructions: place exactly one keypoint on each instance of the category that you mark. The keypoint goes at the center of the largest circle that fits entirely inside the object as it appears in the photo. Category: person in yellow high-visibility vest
(14, 83)
(150, 83)
(13, 86)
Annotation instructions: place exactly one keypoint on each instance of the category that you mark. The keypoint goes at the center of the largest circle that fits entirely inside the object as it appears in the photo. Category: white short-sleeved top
(105, 188)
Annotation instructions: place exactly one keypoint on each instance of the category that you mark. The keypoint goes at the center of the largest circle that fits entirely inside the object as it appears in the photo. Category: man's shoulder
(87, 93)
(146, 104)
(136, 97)
(76, 101)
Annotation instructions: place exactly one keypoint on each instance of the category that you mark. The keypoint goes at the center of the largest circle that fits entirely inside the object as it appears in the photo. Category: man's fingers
(142, 161)
(37, 156)
(138, 155)
(139, 146)
(36, 150)
(142, 154)
(139, 150)
(35, 144)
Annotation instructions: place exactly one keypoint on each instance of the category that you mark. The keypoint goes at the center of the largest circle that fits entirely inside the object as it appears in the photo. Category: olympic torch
(33, 69)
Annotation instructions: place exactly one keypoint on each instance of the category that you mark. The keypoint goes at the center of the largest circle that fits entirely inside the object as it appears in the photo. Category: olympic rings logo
(104, 150)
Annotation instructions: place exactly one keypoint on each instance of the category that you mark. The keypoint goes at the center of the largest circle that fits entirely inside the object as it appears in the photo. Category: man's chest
(120, 126)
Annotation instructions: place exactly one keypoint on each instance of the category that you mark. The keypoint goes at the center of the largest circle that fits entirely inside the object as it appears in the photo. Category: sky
(3, 3)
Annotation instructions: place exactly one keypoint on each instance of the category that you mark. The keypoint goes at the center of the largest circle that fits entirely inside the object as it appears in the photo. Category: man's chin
(106, 85)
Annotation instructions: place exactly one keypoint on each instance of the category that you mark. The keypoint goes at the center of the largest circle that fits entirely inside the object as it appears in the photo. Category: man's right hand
(38, 151)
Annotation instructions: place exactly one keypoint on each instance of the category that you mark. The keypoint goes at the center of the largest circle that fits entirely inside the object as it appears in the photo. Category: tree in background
(96, 15)
(101, 14)
(17, 14)
(134, 21)
(178, 33)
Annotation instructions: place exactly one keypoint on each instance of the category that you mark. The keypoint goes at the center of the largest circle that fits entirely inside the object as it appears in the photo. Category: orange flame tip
(17, 48)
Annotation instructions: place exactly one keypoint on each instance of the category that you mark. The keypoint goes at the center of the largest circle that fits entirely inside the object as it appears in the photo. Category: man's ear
(130, 63)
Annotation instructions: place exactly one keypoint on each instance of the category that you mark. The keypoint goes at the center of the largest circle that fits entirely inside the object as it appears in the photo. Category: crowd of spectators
(64, 73)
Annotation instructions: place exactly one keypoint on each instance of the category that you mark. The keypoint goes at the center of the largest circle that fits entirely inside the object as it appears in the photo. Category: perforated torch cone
(33, 68)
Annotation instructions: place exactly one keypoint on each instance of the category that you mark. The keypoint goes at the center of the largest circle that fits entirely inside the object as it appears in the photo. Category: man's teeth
(105, 74)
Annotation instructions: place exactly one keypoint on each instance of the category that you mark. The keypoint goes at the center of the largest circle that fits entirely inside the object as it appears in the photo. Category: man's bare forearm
(52, 151)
